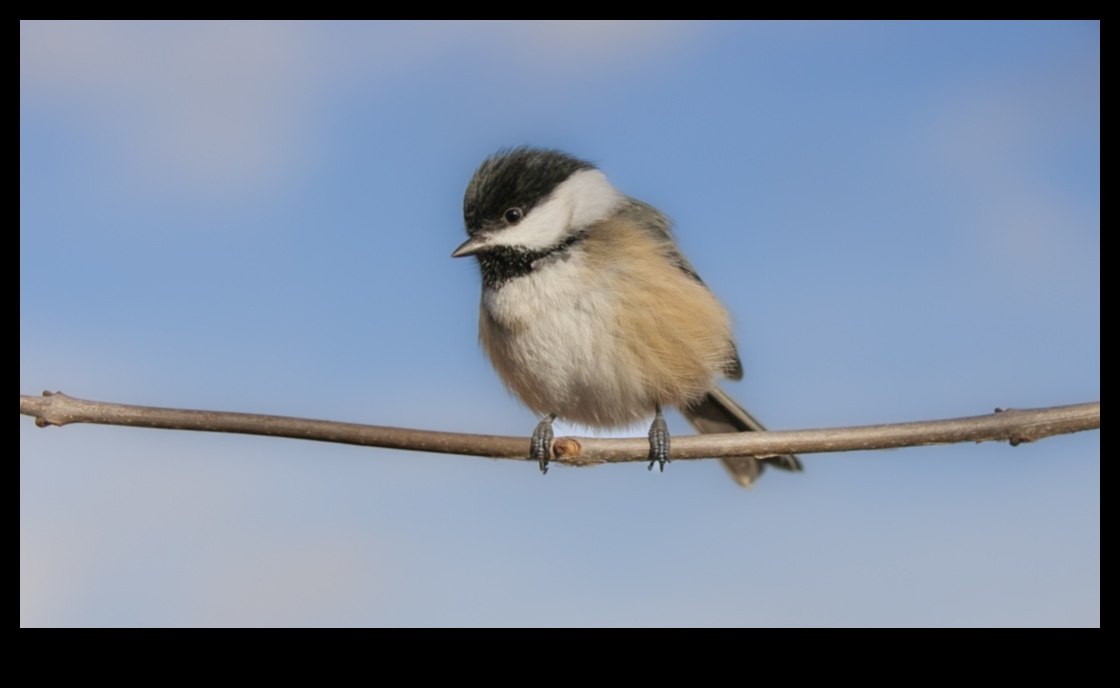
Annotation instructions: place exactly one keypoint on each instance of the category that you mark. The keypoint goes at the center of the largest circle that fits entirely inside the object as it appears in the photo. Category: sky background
(903, 219)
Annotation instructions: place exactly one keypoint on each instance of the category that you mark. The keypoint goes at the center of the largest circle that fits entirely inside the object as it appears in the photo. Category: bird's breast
(552, 337)
(603, 333)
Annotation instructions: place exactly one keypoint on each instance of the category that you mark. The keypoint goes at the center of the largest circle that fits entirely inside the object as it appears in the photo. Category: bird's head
(531, 201)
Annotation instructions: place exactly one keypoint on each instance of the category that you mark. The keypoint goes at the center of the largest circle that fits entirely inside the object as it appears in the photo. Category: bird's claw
(540, 447)
(658, 442)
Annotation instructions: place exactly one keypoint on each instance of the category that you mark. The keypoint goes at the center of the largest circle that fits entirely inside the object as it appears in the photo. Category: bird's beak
(470, 247)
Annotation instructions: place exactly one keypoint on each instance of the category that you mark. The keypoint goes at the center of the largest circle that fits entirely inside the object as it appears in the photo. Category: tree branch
(1014, 426)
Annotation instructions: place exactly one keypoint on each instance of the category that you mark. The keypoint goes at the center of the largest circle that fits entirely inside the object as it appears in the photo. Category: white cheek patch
(582, 199)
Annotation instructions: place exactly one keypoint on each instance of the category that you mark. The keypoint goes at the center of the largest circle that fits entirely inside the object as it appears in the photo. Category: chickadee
(590, 312)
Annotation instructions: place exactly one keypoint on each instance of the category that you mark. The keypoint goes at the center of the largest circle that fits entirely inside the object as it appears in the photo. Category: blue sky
(903, 219)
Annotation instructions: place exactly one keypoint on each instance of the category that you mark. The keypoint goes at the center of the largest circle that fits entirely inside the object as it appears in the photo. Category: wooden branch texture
(1012, 425)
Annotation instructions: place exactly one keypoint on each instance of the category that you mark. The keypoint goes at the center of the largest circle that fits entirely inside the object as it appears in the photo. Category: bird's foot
(658, 442)
(540, 447)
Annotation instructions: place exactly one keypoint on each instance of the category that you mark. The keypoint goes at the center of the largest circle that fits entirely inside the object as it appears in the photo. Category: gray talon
(658, 442)
(540, 447)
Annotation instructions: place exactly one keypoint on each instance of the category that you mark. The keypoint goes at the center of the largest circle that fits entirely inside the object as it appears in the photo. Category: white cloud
(35, 590)
(582, 44)
(226, 108)
(321, 581)
(1001, 141)
(147, 528)
(211, 105)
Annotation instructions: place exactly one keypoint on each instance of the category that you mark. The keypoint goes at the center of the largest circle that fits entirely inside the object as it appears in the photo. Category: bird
(591, 313)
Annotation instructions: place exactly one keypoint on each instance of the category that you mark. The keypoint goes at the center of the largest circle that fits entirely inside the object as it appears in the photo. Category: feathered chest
(551, 336)
(601, 337)
(558, 292)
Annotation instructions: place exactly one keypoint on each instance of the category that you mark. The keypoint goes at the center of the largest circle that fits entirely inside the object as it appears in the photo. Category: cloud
(142, 530)
(228, 108)
(35, 590)
(1002, 140)
(580, 44)
(213, 106)
(318, 581)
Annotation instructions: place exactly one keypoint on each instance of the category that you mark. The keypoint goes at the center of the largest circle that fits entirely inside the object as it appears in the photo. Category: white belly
(553, 339)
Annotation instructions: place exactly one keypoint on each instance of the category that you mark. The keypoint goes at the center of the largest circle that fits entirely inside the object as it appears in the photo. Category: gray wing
(716, 412)
(658, 223)
(646, 216)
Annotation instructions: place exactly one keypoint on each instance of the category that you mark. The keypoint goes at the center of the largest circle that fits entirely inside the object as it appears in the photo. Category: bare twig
(1014, 426)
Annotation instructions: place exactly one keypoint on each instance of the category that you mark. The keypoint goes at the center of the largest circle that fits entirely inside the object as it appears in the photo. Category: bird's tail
(716, 412)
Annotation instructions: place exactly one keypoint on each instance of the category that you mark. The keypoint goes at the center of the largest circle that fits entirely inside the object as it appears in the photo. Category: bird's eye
(513, 215)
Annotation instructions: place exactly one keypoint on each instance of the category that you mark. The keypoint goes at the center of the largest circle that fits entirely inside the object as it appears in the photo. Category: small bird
(591, 313)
